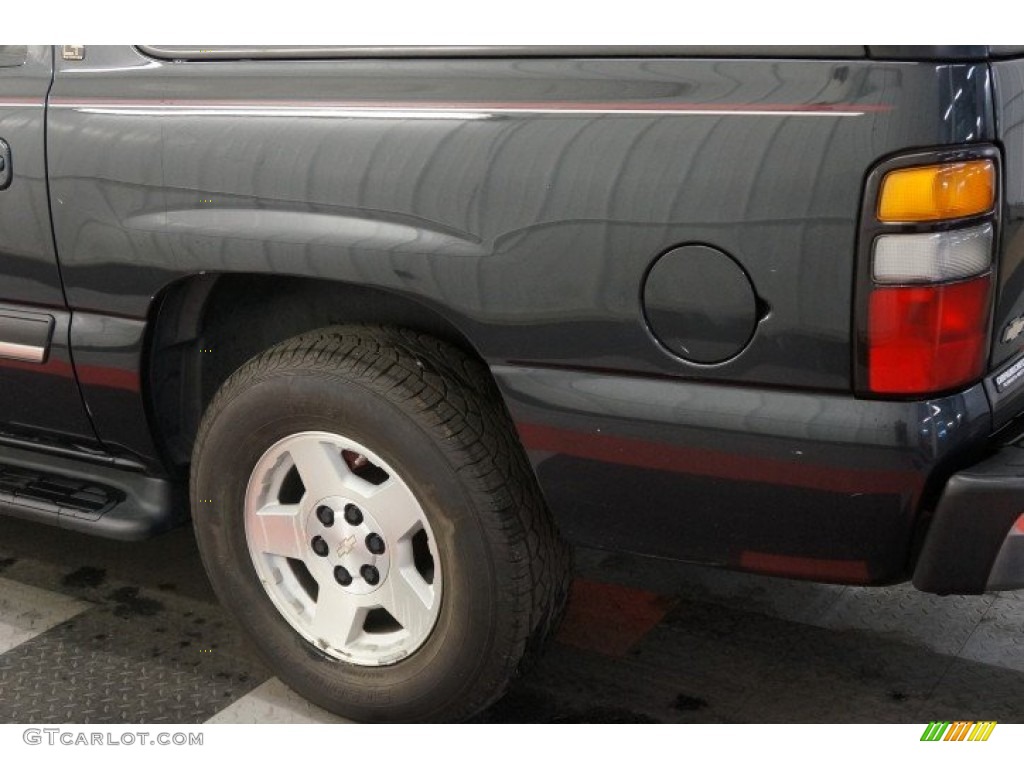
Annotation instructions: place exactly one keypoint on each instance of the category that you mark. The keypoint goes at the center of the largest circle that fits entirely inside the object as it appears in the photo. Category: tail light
(926, 295)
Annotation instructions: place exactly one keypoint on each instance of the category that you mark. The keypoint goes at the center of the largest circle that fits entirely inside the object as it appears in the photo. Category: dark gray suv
(395, 325)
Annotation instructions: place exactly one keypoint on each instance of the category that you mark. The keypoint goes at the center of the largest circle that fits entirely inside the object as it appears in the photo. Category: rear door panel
(38, 393)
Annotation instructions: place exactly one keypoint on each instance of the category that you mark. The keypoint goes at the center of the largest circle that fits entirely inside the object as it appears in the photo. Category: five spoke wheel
(343, 548)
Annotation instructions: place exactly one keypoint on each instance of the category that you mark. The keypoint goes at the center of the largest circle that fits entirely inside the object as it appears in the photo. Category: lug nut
(320, 546)
(353, 515)
(370, 574)
(325, 515)
(375, 544)
(342, 576)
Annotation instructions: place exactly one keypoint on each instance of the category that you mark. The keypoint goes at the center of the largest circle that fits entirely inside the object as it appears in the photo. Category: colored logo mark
(959, 731)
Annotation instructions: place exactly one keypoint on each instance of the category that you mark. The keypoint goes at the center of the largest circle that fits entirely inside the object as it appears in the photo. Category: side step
(99, 499)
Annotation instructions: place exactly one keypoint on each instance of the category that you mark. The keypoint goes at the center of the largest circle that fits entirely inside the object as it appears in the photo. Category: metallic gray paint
(532, 233)
(26, 245)
(700, 304)
(35, 396)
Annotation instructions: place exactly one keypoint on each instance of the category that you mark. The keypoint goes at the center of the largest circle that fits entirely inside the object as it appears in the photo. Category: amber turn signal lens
(935, 192)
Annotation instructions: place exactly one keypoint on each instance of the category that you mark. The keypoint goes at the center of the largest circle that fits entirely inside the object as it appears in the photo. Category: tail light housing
(925, 289)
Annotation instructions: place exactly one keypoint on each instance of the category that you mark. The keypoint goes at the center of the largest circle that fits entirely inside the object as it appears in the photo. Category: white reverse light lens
(932, 258)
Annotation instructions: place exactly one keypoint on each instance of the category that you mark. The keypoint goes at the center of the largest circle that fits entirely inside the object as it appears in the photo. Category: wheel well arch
(203, 327)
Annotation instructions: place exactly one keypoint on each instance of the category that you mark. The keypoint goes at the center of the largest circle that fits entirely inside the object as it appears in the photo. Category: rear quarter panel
(526, 198)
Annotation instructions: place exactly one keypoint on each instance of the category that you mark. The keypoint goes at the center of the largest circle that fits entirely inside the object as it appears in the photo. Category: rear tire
(468, 576)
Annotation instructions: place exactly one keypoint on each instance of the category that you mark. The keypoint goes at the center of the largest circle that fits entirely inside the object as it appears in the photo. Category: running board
(98, 499)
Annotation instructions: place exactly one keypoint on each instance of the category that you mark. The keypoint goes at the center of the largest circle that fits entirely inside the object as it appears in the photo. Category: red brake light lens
(924, 339)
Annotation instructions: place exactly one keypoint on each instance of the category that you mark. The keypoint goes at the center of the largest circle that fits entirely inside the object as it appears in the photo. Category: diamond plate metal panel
(131, 661)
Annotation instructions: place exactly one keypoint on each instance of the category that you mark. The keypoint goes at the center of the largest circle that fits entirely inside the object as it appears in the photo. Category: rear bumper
(974, 543)
(809, 485)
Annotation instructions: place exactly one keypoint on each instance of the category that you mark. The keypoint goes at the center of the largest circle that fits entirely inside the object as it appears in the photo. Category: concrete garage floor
(97, 631)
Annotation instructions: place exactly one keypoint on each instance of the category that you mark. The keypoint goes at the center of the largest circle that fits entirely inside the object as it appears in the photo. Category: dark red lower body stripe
(634, 452)
(88, 375)
(849, 571)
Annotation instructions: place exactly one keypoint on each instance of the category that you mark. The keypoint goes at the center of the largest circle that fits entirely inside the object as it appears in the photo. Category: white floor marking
(273, 702)
(26, 612)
